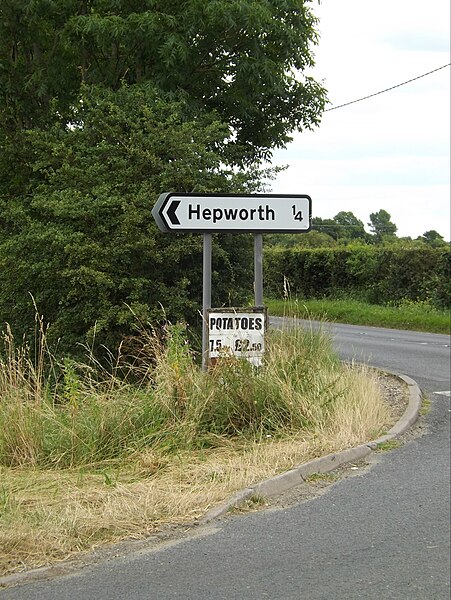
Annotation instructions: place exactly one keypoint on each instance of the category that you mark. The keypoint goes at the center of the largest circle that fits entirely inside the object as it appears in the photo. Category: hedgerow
(379, 275)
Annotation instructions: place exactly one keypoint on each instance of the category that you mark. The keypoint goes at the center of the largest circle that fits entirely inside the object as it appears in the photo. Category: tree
(432, 238)
(328, 226)
(316, 239)
(312, 239)
(38, 65)
(84, 244)
(352, 227)
(104, 105)
(381, 226)
(243, 59)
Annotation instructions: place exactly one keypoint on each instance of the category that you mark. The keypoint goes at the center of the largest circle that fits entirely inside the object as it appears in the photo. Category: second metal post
(258, 269)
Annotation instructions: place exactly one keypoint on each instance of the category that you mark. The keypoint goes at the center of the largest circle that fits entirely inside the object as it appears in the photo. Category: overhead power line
(387, 89)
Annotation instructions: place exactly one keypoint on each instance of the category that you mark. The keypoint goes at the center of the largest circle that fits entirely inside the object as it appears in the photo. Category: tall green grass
(60, 414)
(415, 316)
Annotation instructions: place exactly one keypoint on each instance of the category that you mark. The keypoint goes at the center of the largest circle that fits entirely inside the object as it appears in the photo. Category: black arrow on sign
(171, 212)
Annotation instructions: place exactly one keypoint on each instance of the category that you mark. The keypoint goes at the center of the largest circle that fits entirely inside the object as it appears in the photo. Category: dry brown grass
(46, 516)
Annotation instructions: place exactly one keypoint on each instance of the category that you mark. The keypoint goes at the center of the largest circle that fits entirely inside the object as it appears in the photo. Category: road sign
(256, 213)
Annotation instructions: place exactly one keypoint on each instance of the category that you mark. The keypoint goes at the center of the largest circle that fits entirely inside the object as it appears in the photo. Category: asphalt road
(383, 534)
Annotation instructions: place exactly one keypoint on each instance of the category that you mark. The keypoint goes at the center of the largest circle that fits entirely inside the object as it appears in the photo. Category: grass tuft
(416, 316)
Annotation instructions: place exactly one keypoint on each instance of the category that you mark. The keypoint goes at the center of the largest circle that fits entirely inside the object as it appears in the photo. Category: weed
(255, 501)
(388, 445)
(425, 407)
(326, 477)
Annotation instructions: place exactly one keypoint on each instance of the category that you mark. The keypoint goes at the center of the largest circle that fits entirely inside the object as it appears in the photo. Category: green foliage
(353, 227)
(376, 274)
(38, 71)
(243, 59)
(407, 314)
(432, 238)
(328, 227)
(312, 239)
(344, 228)
(83, 241)
(105, 105)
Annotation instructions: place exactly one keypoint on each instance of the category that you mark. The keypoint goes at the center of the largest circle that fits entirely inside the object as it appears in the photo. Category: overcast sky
(391, 151)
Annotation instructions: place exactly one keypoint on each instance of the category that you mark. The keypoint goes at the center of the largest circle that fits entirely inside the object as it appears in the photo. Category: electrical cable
(387, 89)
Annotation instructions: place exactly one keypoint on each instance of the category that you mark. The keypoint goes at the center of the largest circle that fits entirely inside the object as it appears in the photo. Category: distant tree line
(339, 258)
(345, 228)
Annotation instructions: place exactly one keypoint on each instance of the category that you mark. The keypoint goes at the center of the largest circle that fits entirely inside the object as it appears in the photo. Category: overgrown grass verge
(415, 316)
(89, 456)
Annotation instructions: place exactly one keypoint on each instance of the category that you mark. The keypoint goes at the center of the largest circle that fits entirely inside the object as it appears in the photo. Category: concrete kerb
(298, 475)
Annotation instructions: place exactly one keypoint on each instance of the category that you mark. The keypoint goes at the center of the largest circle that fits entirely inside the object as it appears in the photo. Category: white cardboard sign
(237, 332)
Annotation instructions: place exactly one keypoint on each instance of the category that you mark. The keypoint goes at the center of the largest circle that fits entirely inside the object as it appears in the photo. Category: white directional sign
(257, 213)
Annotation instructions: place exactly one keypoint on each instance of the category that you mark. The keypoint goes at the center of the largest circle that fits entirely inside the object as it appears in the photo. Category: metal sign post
(258, 269)
(206, 297)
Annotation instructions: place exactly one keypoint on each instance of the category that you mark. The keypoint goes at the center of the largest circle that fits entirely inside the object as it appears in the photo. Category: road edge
(298, 475)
